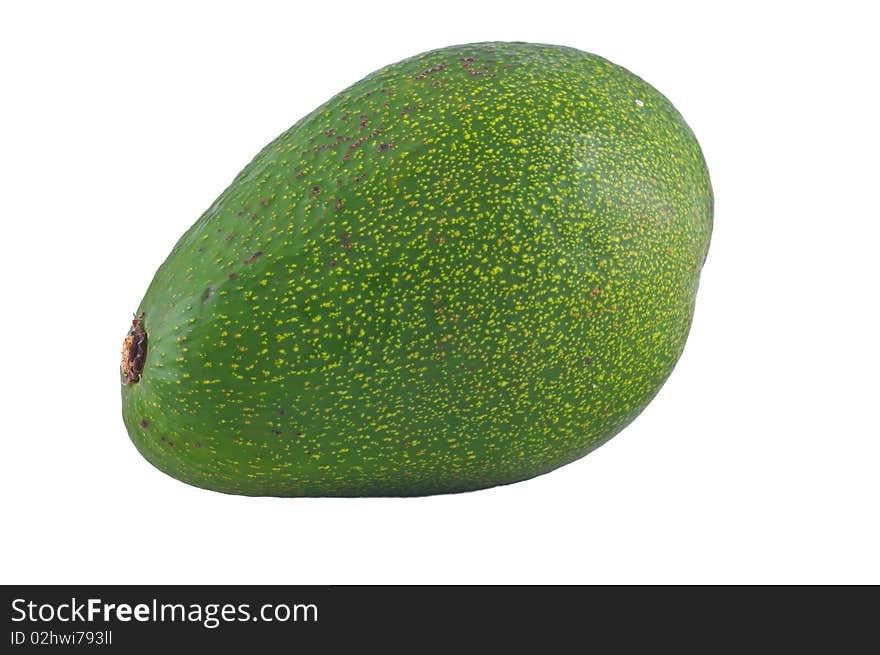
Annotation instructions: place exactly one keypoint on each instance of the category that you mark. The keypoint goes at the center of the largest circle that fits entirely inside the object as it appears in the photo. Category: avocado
(467, 269)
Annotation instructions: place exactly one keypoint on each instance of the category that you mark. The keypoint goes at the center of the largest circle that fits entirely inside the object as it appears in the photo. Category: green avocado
(467, 269)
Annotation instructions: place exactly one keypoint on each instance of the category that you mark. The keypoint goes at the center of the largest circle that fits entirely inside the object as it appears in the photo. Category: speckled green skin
(467, 269)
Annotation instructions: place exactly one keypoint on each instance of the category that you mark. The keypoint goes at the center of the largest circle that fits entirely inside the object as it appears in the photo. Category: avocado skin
(468, 269)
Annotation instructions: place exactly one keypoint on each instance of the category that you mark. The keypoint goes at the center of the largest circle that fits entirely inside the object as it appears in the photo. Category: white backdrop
(757, 462)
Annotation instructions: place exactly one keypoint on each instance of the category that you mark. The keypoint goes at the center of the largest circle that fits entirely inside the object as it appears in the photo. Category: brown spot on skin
(332, 262)
(428, 71)
(468, 63)
(344, 239)
(134, 351)
(145, 423)
(361, 141)
(198, 444)
(232, 276)
(263, 202)
(259, 253)
(328, 146)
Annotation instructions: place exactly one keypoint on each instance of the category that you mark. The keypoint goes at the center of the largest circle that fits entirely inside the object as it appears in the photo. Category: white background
(757, 463)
